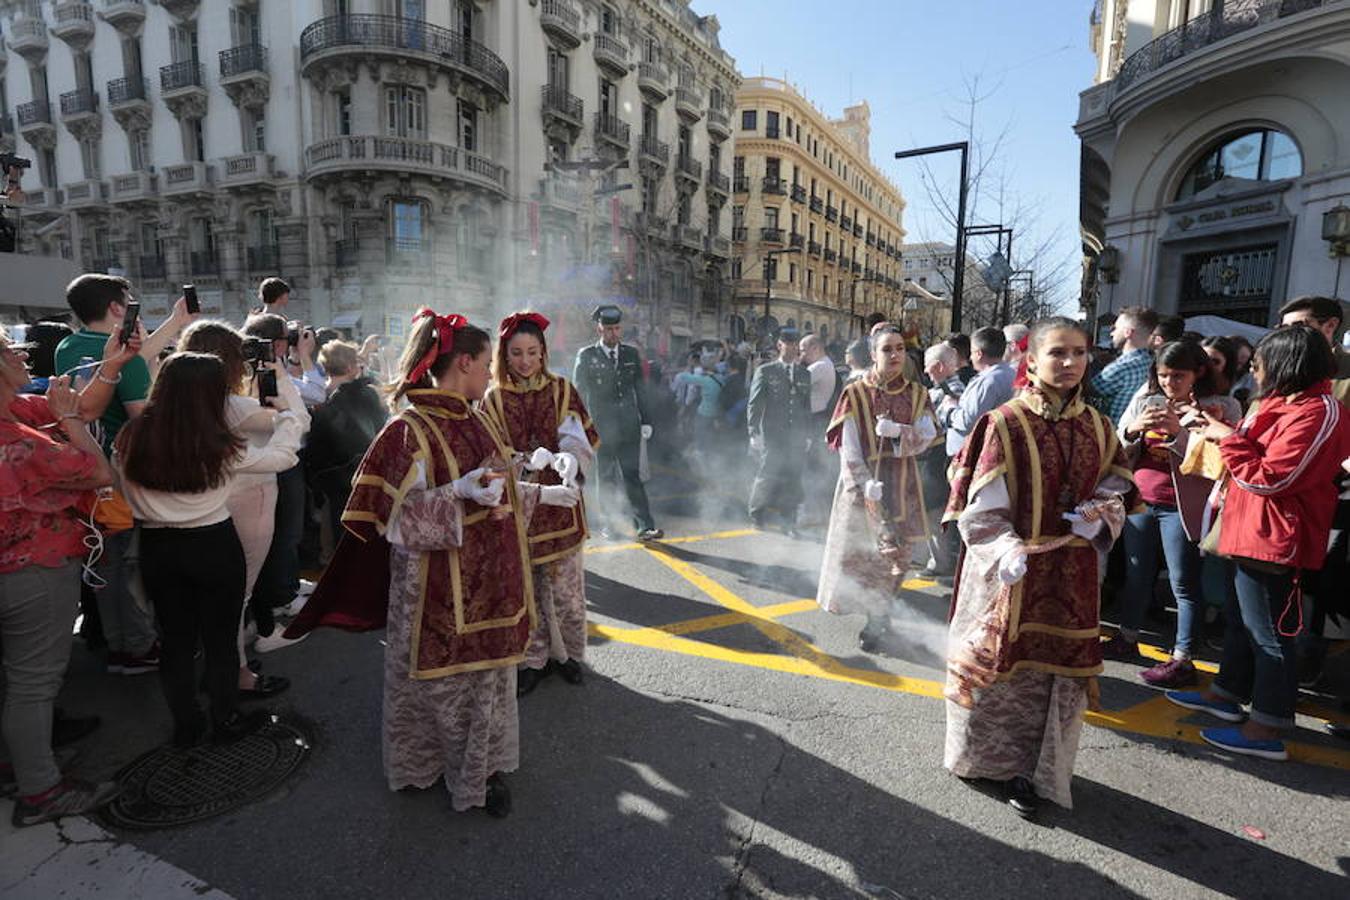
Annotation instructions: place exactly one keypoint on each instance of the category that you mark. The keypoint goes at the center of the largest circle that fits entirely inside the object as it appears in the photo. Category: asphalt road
(732, 741)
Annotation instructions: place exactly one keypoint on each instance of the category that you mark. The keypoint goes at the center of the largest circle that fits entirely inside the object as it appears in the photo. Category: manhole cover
(169, 786)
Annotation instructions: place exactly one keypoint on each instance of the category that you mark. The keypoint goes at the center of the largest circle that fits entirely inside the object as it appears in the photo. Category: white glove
(469, 487)
(646, 432)
(559, 495)
(872, 491)
(541, 458)
(757, 443)
(567, 467)
(1012, 568)
(888, 428)
(1082, 527)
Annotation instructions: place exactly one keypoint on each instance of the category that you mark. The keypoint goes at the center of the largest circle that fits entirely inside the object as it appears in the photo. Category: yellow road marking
(692, 539)
(1155, 718)
(1161, 655)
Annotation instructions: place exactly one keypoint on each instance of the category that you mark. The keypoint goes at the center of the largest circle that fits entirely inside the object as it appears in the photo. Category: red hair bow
(513, 321)
(446, 326)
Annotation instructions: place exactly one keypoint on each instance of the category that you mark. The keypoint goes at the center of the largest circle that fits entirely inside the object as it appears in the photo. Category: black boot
(498, 803)
(870, 638)
(1022, 797)
(570, 671)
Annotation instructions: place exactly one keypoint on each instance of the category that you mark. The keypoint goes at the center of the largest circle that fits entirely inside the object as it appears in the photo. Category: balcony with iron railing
(689, 103)
(719, 123)
(611, 52)
(244, 61)
(796, 240)
(263, 257)
(798, 194)
(718, 182)
(831, 255)
(184, 76)
(79, 104)
(34, 117)
(655, 151)
(857, 229)
(28, 37)
(561, 105)
(771, 235)
(773, 185)
(817, 205)
(831, 214)
(871, 239)
(1226, 19)
(613, 129)
(813, 248)
(357, 36)
(73, 22)
(562, 20)
(127, 91)
(688, 168)
(846, 223)
(740, 233)
(741, 184)
(343, 156)
(653, 80)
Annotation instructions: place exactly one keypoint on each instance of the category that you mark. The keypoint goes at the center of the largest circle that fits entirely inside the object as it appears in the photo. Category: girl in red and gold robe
(544, 418)
(436, 514)
(1039, 492)
(880, 424)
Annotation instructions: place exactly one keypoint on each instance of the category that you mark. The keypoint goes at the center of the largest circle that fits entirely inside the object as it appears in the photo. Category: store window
(1259, 155)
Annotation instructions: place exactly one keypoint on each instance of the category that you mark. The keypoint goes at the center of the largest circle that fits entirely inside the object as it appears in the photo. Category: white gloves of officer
(559, 495)
(888, 428)
(1012, 568)
(470, 487)
(872, 491)
(646, 432)
(567, 467)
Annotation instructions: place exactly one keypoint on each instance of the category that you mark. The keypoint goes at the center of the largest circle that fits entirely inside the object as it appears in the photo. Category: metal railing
(653, 71)
(771, 235)
(740, 233)
(718, 181)
(689, 97)
(831, 214)
(688, 166)
(557, 99)
(742, 184)
(176, 76)
(720, 119)
(203, 262)
(34, 112)
(396, 33)
(127, 90)
(81, 101)
(262, 257)
(795, 239)
(650, 147)
(846, 223)
(817, 205)
(560, 12)
(243, 59)
(362, 150)
(608, 46)
(613, 127)
(1227, 18)
(773, 185)
(813, 248)
(798, 194)
(153, 267)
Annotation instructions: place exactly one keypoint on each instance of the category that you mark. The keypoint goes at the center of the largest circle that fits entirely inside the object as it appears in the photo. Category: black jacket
(339, 433)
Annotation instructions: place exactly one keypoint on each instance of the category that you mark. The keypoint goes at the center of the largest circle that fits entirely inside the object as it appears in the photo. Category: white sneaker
(275, 641)
(306, 588)
(296, 605)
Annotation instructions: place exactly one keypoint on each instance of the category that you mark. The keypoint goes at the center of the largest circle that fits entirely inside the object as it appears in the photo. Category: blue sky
(911, 61)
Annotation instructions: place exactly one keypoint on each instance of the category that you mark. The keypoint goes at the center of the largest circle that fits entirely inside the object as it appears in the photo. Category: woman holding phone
(1154, 434)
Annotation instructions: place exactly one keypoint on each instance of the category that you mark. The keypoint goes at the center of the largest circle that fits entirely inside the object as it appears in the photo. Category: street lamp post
(959, 280)
(999, 231)
(771, 269)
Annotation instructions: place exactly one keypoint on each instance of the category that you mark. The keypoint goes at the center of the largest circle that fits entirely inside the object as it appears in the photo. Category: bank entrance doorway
(1234, 283)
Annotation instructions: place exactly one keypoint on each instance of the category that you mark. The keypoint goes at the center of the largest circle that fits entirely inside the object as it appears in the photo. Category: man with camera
(269, 337)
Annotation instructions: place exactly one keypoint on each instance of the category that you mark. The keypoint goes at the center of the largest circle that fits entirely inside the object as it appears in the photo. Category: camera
(258, 350)
(10, 161)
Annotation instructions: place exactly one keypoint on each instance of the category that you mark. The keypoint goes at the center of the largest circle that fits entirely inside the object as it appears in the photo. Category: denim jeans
(1143, 532)
(128, 625)
(1259, 664)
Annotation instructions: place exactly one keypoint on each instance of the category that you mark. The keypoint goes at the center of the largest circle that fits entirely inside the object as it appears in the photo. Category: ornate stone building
(816, 227)
(1216, 155)
(380, 154)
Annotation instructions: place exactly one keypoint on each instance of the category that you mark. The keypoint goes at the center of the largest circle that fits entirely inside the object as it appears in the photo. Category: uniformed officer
(609, 376)
(779, 416)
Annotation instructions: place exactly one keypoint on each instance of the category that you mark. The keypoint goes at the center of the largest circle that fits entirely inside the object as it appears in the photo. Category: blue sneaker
(1232, 740)
(1229, 712)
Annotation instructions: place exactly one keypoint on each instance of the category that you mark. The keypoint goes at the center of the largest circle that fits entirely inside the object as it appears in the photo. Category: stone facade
(381, 154)
(805, 184)
(1214, 141)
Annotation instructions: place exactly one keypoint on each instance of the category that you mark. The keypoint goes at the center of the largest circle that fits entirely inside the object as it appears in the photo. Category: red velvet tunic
(530, 415)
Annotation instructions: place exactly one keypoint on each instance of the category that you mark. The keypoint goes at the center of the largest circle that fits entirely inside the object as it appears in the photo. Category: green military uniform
(609, 380)
(779, 416)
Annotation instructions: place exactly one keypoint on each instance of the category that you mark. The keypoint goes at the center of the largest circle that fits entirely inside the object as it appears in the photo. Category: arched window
(1260, 155)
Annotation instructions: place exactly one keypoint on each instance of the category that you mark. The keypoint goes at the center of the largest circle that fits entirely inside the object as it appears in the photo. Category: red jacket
(1283, 461)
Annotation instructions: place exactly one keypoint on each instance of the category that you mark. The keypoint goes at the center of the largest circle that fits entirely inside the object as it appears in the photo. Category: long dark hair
(1187, 356)
(181, 442)
(469, 340)
(1228, 349)
(1293, 359)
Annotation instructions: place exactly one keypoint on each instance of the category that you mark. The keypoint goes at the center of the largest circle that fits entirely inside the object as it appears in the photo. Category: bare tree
(991, 199)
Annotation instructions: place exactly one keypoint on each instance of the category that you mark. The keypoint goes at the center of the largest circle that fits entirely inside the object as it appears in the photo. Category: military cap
(788, 334)
(608, 314)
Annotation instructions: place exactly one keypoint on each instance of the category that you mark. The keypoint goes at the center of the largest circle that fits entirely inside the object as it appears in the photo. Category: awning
(347, 320)
(1212, 326)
